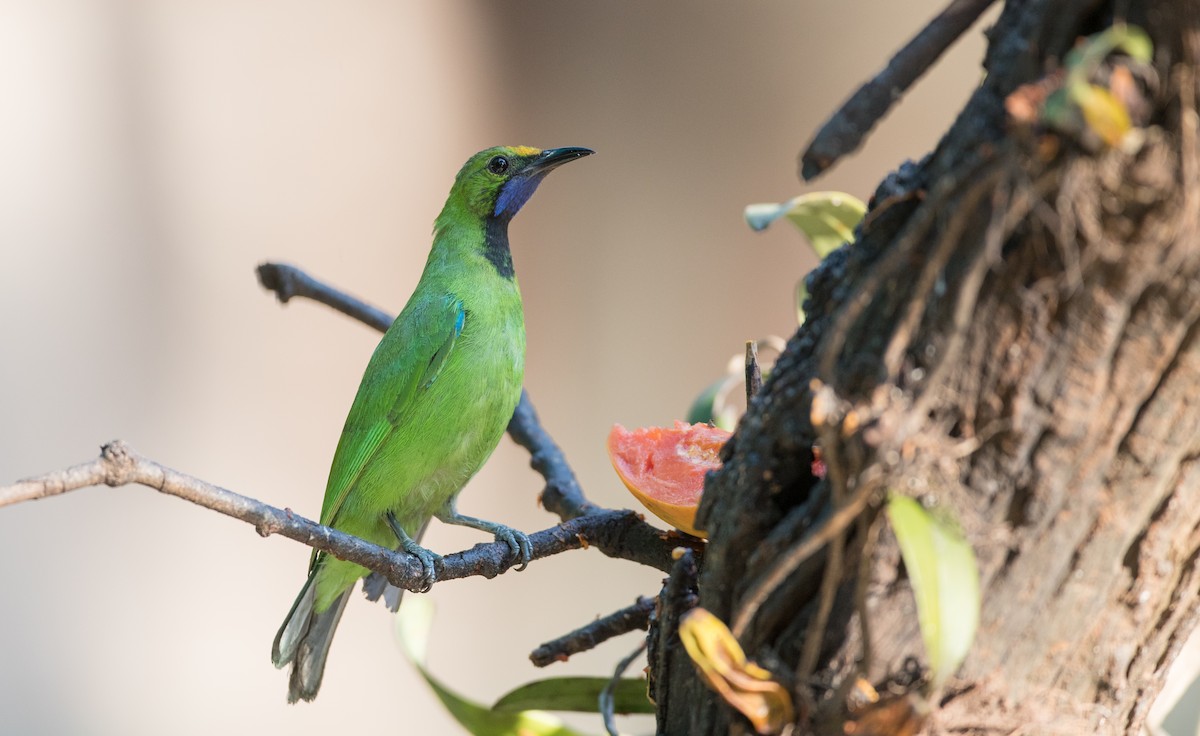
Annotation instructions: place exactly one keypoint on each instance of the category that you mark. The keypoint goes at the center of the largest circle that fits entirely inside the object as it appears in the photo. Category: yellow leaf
(723, 665)
(1102, 111)
(827, 219)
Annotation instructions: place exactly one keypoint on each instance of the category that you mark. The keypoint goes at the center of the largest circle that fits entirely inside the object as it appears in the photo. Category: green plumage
(434, 400)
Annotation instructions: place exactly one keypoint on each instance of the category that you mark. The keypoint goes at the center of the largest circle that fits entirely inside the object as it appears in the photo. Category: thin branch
(596, 633)
(118, 465)
(868, 531)
(830, 580)
(844, 132)
(562, 494)
(287, 282)
(753, 371)
(607, 699)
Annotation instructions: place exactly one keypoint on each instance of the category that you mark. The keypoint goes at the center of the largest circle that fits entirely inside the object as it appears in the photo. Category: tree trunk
(1014, 337)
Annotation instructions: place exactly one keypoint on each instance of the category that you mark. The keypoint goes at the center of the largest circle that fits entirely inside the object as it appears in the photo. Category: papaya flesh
(664, 467)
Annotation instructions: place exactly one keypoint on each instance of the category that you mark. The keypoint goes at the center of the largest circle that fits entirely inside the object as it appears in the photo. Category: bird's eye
(498, 165)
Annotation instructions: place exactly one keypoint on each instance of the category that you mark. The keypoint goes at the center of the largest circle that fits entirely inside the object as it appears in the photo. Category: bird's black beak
(515, 192)
(554, 157)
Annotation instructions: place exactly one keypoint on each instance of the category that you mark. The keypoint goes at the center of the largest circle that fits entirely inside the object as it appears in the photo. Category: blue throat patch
(515, 193)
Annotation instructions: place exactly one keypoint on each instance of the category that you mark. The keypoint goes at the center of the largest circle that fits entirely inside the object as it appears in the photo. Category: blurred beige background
(154, 152)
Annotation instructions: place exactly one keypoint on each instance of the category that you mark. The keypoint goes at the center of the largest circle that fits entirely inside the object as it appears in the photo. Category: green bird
(433, 404)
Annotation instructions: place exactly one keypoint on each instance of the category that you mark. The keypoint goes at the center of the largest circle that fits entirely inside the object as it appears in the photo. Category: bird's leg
(517, 541)
(427, 558)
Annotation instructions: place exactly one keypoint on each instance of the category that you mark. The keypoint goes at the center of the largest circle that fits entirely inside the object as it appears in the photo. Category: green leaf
(1133, 41)
(723, 402)
(412, 629)
(576, 694)
(1084, 59)
(827, 219)
(1101, 110)
(1059, 112)
(945, 581)
(711, 408)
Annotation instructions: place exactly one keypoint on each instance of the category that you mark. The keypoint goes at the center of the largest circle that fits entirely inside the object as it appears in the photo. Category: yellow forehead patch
(526, 151)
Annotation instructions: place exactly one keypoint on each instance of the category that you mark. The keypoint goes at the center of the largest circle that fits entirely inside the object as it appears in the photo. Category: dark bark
(594, 634)
(1015, 336)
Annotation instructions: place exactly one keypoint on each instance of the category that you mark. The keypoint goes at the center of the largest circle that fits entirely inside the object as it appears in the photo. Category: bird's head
(496, 182)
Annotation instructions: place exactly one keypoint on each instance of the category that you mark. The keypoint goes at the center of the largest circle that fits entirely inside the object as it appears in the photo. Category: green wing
(408, 360)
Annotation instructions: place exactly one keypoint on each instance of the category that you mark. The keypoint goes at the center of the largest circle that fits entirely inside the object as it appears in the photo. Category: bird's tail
(304, 639)
(376, 586)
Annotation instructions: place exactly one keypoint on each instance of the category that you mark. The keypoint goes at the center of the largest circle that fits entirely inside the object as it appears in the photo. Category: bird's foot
(517, 541)
(518, 544)
(427, 558)
(424, 556)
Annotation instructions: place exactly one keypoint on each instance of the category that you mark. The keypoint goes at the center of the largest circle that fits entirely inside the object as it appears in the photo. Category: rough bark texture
(1016, 337)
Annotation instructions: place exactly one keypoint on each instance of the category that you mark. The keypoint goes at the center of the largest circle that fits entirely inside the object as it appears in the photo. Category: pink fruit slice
(664, 467)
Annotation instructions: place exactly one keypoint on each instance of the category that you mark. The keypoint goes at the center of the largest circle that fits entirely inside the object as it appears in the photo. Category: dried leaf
(894, 716)
(743, 684)
(1025, 102)
(862, 695)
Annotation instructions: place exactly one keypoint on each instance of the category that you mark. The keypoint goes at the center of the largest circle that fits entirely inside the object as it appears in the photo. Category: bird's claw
(424, 556)
(518, 543)
(427, 560)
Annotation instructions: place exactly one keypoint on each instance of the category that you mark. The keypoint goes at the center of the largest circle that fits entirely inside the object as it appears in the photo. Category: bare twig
(845, 131)
(753, 371)
(288, 281)
(830, 580)
(596, 633)
(868, 532)
(607, 702)
(562, 494)
(118, 466)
